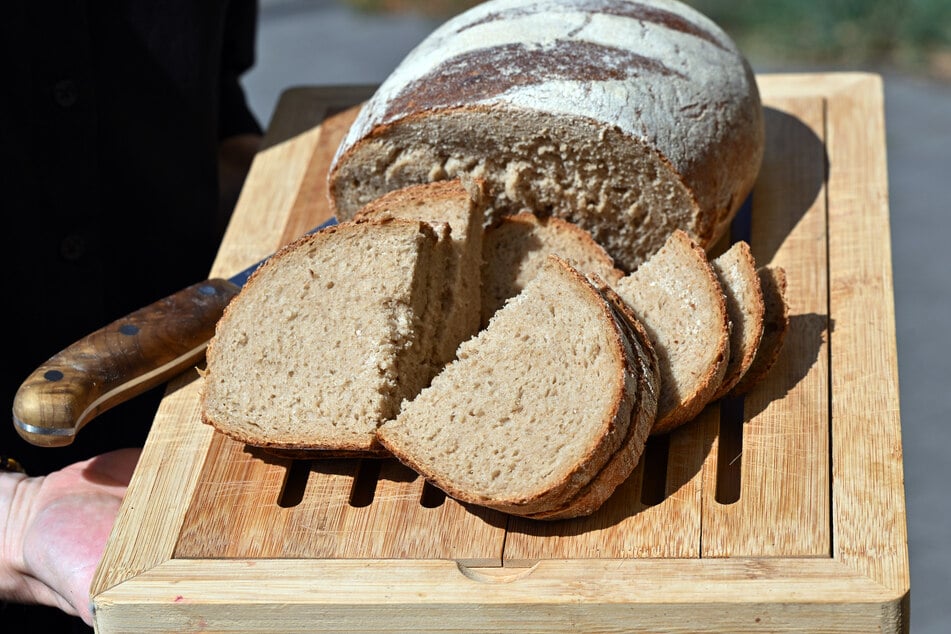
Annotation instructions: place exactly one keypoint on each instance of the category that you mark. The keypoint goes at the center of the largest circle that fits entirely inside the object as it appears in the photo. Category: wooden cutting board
(782, 511)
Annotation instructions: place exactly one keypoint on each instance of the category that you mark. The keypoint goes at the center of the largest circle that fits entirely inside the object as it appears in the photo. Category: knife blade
(123, 359)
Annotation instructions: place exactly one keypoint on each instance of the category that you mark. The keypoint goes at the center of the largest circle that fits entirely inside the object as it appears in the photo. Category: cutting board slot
(364, 483)
(295, 484)
(655, 459)
(730, 451)
(432, 497)
(742, 223)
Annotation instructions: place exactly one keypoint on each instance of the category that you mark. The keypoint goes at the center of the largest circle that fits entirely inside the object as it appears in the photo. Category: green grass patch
(912, 34)
(854, 32)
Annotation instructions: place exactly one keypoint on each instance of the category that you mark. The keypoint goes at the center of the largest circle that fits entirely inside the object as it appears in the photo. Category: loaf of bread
(328, 337)
(534, 406)
(630, 119)
(516, 246)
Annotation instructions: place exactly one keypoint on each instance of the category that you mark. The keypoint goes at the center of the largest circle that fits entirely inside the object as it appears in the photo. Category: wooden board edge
(775, 85)
(153, 509)
(868, 484)
(428, 595)
(148, 521)
(859, 221)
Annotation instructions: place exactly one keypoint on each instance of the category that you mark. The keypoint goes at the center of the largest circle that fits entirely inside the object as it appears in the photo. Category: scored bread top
(629, 118)
(534, 405)
(323, 341)
(677, 297)
(516, 246)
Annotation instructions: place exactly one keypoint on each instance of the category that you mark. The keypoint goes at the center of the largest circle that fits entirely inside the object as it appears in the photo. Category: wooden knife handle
(117, 362)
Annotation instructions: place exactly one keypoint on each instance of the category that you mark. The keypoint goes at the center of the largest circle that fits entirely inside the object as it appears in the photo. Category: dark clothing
(111, 113)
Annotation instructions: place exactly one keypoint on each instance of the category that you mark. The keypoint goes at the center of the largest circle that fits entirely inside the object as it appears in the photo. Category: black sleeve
(237, 57)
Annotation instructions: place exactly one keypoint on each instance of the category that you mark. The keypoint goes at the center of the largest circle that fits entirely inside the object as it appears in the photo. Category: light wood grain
(237, 513)
(783, 507)
(213, 537)
(626, 526)
(869, 514)
(604, 595)
(154, 506)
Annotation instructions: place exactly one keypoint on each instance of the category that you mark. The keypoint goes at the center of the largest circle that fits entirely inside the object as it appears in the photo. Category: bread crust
(736, 270)
(775, 327)
(656, 76)
(514, 246)
(602, 445)
(619, 468)
(405, 198)
(242, 313)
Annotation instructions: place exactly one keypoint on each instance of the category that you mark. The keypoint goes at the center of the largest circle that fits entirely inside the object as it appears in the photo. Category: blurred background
(908, 42)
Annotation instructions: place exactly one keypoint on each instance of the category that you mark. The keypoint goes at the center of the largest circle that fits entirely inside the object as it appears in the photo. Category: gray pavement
(918, 120)
(322, 42)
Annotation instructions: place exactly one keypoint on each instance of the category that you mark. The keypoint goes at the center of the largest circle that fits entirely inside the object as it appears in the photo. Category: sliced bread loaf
(736, 270)
(462, 206)
(515, 247)
(677, 297)
(620, 466)
(328, 337)
(630, 119)
(533, 407)
(775, 327)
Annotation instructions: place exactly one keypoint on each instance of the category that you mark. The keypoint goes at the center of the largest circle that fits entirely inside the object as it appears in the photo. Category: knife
(122, 360)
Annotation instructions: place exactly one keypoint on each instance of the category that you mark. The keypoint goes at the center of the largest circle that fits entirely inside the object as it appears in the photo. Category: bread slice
(462, 206)
(678, 298)
(327, 337)
(533, 407)
(516, 246)
(775, 327)
(623, 462)
(736, 270)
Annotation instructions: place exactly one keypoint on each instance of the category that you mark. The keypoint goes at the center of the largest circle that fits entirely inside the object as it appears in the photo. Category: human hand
(56, 530)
